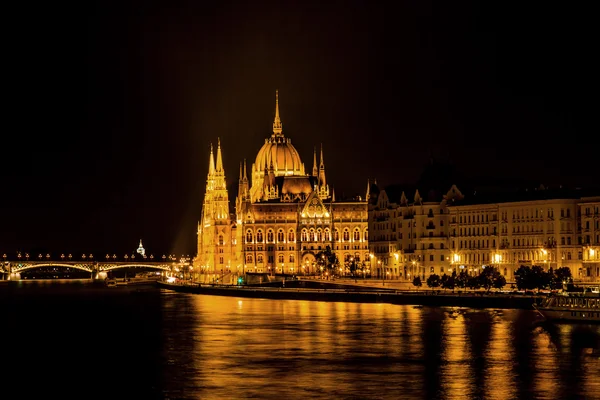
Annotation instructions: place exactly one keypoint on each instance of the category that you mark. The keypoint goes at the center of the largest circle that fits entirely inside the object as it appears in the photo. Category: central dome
(278, 152)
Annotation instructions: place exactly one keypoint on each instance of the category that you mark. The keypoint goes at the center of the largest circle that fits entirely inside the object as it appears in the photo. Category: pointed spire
(241, 175)
(219, 159)
(333, 195)
(322, 164)
(277, 127)
(368, 189)
(211, 162)
(322, 180)
(245, 175)
(315, 170)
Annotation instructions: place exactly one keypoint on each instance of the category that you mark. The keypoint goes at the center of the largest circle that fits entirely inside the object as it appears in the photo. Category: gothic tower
(215, 239)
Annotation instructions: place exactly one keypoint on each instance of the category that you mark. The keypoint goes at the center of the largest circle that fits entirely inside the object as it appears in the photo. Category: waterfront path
(362, 293)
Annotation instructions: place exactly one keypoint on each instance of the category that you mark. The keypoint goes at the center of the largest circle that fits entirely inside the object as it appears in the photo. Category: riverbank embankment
(313, 291)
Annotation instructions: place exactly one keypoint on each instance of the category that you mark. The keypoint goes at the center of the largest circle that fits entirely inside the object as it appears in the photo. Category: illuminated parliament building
(285, 216)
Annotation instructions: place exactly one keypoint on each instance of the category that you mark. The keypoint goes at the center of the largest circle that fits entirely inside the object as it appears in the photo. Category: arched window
(291, 236)
(259, 259)
(291, 258)
(319, 235)
(366, 235)
(280, 258)
(356, 235)
(311, 235)
(270, 236)
(327, 235)
(248, 236)
(346, 235)
(259, 236)
(249, 259)
(304, 235)
(336, 235)
(280, 236)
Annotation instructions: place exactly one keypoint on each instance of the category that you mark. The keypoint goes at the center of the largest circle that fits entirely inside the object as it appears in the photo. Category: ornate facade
(284, 217)
(452, 233)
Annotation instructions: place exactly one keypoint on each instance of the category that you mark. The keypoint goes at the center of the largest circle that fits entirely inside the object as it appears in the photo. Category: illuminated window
(249, 259)
(346, 235)
(319, 235)
(327, 235)
(336, 235)
(367, 235)
(249, 237)
(356, 235)
(259, 236)
(259, 258)
(291, 258)
(280, 258)
(280, 236)
(291, 236)
(304, 235)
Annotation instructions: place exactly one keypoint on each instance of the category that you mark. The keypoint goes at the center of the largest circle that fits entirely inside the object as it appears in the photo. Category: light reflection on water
(109, 343)
(252, 348)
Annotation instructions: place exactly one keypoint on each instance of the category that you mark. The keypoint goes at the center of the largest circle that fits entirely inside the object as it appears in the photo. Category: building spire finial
(277, 127)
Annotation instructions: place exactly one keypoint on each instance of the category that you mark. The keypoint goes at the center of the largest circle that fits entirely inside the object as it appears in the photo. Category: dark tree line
(530, 278)
(488, 278)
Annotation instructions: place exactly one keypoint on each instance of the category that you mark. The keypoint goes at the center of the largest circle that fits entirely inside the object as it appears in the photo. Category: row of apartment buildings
(450, 232)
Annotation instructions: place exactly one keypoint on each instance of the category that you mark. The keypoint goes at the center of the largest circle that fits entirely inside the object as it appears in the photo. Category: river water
(70, 340)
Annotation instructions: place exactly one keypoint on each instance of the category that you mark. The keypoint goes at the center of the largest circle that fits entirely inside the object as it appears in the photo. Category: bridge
(95, 268)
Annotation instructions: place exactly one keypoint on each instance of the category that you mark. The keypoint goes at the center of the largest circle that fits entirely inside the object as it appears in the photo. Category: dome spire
(277, 127)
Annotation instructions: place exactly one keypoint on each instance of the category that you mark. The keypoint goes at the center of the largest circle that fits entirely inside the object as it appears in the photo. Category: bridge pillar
(96, 274)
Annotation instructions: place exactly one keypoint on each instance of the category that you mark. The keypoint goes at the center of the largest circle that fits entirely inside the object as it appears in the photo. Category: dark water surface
(69, 340)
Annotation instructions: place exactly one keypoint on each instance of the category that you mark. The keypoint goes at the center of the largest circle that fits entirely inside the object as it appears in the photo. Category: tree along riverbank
(303, 290)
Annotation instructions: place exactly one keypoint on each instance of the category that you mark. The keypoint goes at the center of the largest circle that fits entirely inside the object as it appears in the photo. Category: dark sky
(110, 108)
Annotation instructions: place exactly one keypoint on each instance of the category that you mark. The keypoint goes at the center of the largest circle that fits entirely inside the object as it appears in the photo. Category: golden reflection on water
(455, 372)
(231, 348)
(500, 380)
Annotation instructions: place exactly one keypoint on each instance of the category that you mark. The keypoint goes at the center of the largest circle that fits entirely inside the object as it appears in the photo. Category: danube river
(66, 339)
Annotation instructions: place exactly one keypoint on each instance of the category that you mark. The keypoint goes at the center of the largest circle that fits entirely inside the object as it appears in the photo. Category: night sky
(111, 107)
